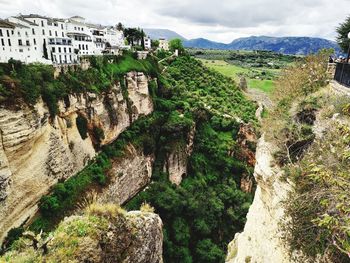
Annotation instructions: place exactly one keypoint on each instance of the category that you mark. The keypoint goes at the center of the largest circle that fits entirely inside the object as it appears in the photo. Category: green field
(235, 72)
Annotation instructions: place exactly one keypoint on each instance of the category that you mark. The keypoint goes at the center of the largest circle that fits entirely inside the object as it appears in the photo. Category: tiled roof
(25, 20)
(34, 16)
(6, 24)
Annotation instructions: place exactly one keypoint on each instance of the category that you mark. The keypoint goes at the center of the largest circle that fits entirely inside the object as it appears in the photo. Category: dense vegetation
(26, 83)
(259, 68)
(202, 215)
(247, 59)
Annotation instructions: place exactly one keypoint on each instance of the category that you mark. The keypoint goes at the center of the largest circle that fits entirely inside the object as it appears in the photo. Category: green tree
(120, 26)
(208, 252)
(176, 44)
(155, 44)
(342, 38)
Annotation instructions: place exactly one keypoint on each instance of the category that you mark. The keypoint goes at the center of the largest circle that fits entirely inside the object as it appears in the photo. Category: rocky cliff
(176, 160)
(260, 242)
(105, 233)
(36, 151)
(129, 175)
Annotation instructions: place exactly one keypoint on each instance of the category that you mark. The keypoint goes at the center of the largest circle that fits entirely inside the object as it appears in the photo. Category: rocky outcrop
(128, 175)
(261, 242)
(106, 234)
(176, 160)
(37, 151)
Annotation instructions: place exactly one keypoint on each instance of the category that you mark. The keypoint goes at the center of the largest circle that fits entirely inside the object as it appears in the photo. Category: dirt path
(260, 97)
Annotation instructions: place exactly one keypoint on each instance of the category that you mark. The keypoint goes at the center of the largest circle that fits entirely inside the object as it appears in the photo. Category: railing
(342, 74)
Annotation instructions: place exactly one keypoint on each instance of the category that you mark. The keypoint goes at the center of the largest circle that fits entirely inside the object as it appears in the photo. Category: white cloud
(217, 20)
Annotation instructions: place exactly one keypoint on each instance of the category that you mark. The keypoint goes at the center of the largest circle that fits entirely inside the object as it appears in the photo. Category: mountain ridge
(292, 45)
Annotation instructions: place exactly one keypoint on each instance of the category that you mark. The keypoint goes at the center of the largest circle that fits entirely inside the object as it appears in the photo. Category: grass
(235, 72)
(225, 68)
(266, 86)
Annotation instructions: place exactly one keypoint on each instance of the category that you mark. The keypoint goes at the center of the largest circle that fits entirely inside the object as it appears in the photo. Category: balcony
(60, 41)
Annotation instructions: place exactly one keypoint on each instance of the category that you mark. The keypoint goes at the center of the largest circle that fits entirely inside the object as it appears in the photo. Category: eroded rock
(36, 151)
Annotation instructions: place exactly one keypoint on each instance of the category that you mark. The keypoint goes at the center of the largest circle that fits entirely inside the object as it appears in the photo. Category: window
(75, 28)
(20, 42)
(83, 47)
(61, 26)
(64, 50)
(42, 23)
(2, 42)
(53, 49)
(9, 42)
(62, 34)
(50, 33)
(33, 31)
(34, 40)
(56, 34)
(59, 50)
(87, 47)
(8, 33)
(19, 33)
(70, 50)
(44, 32)
(0, 32)
(79, 46)
(12, 32)
(27, 43)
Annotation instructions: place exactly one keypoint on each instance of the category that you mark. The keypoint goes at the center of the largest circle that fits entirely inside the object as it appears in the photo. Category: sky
(219, 20)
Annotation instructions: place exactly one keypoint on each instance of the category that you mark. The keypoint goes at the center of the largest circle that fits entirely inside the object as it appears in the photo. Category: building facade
(163, 44)
(148, 43)
(35, 38)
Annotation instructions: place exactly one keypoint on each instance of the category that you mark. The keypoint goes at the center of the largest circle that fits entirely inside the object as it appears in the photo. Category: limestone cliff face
(176, 161)
(129, 175)
(260, 242)
(36, 152)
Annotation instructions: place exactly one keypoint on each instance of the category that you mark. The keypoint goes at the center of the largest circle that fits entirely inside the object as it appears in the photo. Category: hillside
(155, 33)
(285, 45)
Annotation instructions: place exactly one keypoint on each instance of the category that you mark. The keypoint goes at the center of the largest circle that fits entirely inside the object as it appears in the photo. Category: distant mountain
(285, 45)
(204, 43)
(155, 33)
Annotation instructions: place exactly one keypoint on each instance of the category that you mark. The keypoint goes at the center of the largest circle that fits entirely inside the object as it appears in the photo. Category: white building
(52, 38)
(163, 44)
(18, 40)
(35, 38)
(81, 35)
(148, 42)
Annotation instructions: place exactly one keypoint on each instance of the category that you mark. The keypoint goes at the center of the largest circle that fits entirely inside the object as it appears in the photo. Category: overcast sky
(219, 20)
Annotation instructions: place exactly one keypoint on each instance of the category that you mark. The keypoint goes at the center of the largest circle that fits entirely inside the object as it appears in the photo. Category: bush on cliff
(26, 83)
